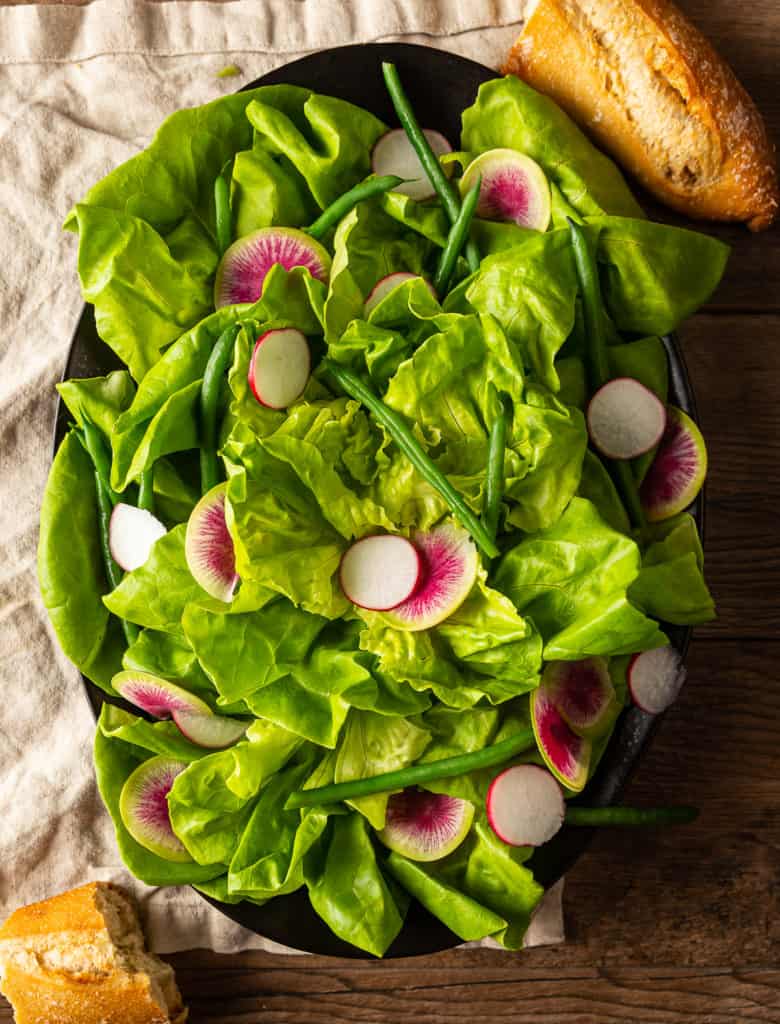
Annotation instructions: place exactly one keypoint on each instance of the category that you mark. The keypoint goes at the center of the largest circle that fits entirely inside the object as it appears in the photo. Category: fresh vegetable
(411, 447)
(338, 209)
(446, 768)
(425, 154)
(222, 213)
(394, 154)
(425, 826)
(566, 754)
(380, 572)
(144, 807)
(494, 479)
(279, 368)
(131, 534)
(525, 805)
(448, 570)
(146, 490)
(583, 694)
(209, 547)
(608, 817)
(218, 362)
(655, 679)
(387, 284)
(244, 267)
(677, 473)
(513, 188)
(625, 419)
(456, 239)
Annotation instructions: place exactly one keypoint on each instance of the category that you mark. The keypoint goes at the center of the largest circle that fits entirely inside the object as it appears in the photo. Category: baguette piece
(654, 92)
(80, 958)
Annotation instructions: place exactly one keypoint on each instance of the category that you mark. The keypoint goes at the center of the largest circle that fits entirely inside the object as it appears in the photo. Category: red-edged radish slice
(380, 572)
(625, 419)
(425, 826)
(208, 546)
(655, 678)
(388, 284)
(678, 470)
(393, 153)
(525, 805)
(143, 807)
(566, 754)
(132, 533)
(514, 188)
(280, 367)
(214, 732)
(242, 270)
(583, 694)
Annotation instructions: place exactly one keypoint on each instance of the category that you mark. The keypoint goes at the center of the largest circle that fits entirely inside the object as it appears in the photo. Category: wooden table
(662, 927)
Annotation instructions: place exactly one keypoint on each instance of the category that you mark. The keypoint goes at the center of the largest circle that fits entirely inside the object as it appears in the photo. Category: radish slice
(132, 532)
(208, 546)
(525, 805)
(387, 284)
(625, 419)
(380, 572)
(514, 188)
(393, 153)
(143, 807)
(280, 367)
(209, 730)
(655, 678)
(678, 470)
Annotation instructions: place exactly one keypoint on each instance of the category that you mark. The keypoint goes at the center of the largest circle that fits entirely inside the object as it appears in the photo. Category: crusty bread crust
(79, 958)
(653, 91)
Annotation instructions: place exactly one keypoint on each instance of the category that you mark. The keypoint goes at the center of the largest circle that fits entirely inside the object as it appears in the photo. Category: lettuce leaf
(670, 584)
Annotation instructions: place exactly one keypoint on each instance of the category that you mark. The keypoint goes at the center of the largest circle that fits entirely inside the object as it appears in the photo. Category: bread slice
(80, 958)
(653, 91)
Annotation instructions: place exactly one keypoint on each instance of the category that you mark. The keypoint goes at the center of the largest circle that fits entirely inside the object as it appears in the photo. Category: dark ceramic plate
(440, 85)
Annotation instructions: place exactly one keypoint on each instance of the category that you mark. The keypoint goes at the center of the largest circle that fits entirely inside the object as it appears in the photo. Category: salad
(377, 531)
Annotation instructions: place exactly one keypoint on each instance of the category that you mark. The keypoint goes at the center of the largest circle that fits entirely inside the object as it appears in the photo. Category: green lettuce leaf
(156, 737)
(670, 585)
(101, 399)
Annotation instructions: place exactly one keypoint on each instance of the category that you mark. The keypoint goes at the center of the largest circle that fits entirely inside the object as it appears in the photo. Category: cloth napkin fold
(83, 88)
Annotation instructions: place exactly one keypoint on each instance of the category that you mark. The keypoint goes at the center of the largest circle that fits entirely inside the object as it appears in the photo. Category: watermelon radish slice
(393, 153)
(583, 694)
(132, 533)
(525, 805)
(380, 572)
(194, 718)
(678, 470)
(625, 419)
(655, 679)
(425, 826)
(280, 367)
(449, 570)
(208, 546)
(143, 807)
(242, 270)
(389, 283)
(514, 188)
(566, 754)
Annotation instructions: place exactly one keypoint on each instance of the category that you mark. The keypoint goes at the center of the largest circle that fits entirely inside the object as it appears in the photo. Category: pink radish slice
(380, 572)
(208, 546)
(625, 419)
(583, 694)
(525, 805)
(280, 367)
(157, 696)
(387, 284)
(132, 533)
(425, 826)
(566, 754)
(212, 731)
(449, 571)
(678, 470)
(143, 807)
(655, 679)
(514, 188)
(242, 270)
(393, 153)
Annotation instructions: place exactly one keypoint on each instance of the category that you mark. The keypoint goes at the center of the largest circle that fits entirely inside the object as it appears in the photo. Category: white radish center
(380, 572)
(132, 533)
(525, 805)
(280, 367)
(394, 154)
(655, 679)
(625, 419)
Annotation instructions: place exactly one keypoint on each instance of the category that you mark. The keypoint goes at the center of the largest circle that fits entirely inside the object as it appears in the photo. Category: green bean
(146, 490)
(488, 757)
(630, 816)
(223, 215)
(598, 355)
(332, 214)
(101, 460)
(494, 480)
(436, 174)
(410, 446)
(458, 236)
(218, 362)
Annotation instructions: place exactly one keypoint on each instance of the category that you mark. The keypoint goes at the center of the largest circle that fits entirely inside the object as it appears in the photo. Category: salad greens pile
(329, 691)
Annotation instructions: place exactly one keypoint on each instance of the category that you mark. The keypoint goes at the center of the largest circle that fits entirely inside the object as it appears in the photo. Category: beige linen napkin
(82, 89)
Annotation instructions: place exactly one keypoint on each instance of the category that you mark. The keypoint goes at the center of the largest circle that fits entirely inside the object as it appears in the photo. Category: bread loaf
(80, 958)
(652, 91)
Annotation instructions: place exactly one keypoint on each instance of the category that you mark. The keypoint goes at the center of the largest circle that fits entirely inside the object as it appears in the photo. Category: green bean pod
(494, 479)
(457, 238)
(411, 447)
(101, 460)
(340, 207)
(223, 216)
(630, 816)
(146, 490)
(218, 362)
(447, 768)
